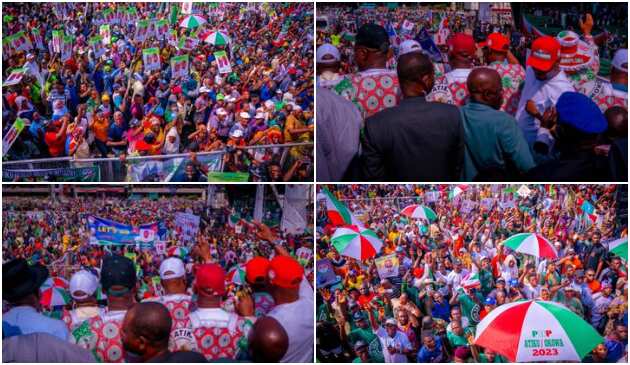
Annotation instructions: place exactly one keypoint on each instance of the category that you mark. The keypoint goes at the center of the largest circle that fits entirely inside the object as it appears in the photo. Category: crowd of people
(240, 291)
(453, 271)
(109, 96)
(487, 101)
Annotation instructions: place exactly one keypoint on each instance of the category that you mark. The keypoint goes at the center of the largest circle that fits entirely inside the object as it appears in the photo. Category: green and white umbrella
(619, 247)
(357, 242)
(217, 39)
(531, 244)
(419, 211)
(536, 331)
(192, 21)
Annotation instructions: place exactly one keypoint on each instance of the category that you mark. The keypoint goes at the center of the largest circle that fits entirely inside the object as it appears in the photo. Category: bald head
(415, 74)
(617, 118)
(484, 86)
(268, 341)
(150, 320)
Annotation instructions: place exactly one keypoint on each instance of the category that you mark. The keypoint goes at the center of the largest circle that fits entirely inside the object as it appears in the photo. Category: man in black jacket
(416, 140)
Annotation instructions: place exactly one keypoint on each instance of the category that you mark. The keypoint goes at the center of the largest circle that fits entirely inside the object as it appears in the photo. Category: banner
(179, 66)
(66, 48)
(387, 266)
(187, 7)
(151, 59)
(188, 224)
(97, 46)
(12, 134)
(467, 206)
(223, 62)
(142, 27)
(56, 40)
(107, 232)
(187, 43)
(325, 273)
(216, 176)
(487, 203)
(160, 247)
(161, 28)
(82, 174)
(39, 40)
(304, 255)
(20, 41)
(173, 169)
(105, 34)
(431, 196)
(15, 77)
(523, 191)
(171, 38)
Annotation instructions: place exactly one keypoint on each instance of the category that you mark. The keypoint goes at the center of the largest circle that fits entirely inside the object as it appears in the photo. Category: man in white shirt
(395, 344)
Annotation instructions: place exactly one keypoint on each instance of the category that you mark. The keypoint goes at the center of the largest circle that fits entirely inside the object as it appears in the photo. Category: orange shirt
(595, 286)
(100, 128)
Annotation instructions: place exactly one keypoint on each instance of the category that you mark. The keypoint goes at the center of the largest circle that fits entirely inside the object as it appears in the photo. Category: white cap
(259, 116)
(172, 268)
(237, 133)
(229, 99)
(409, 46)
(327, 49)
(296, 107)
(621, 58)
(244, 115)
(391, 321)
(204, 89)
(269, 104)
(84, 281)
(221, 111)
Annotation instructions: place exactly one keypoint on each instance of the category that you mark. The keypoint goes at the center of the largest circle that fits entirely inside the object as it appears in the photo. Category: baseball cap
(359, 345)
(372, 36)
(237, 133)
(210, 277)
(285, 272)
(462, 43)
(172, 268)
(545, 53)
(256, 269)
(118, 270)
(490, 301)
(221, 111)
(327, 49)
(84, 281)
(497, 42)
(391, 321)
(580, 112)
(620, 61)
(244, 115)
(409, 46)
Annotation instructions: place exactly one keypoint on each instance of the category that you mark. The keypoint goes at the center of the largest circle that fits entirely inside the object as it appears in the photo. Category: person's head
(361, 349)
(209, 285)
(391, 326)
(268, 341)
(428, 341)
(285, 275)
(621, 331)
(328, 58)
(456, 328)
(118, 118)
(545, 57)
(371, 48)
(607, 288)
(403, 317)
(490, 355)
(600, 352)
(485, 87)
(617, 118)
(496, 48)
(256, 271)
(118, 279)
(59, 87)
(83, 286)
(145, 331)
(461, 51)
(619, 67)
(589, 275)
(456, 314)
(580, 121)
(461, 354)
(596, 237)
(415, 74)
(21, 282)
(173, 275)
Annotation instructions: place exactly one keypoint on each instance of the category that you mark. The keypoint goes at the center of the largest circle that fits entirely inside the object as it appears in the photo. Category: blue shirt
(435, 355)
(28, 320)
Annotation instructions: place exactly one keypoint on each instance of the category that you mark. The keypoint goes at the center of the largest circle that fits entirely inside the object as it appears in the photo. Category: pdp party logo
(543, 343)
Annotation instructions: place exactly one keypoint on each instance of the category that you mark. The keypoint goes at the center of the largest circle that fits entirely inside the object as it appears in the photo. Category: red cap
(462, 43)
(497, 42)
(256, 268)
(211, 277)
(545, 53)
(418, 272)
(285, 272)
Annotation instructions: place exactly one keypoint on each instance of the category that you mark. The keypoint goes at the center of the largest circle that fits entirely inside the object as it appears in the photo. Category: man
(83, 286)
(256, 271)
(374, 88)
(177, 301)
(432, 350)
(499, 58)
(617, 136)
(495, 146)
(397, 138)
(573, 158)
(145, 335)
(601, 302)
(328, 62)
(55, 136)
(544, 83)
(396, 345)
(338, 123)
(607, 94)
(451, 88)
(20, 288)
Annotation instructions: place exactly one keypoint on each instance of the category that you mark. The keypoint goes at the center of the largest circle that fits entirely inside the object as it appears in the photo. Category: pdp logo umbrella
(357, 242)
(192, 21)
(535, 331)
(54, 292)
(217, 39)
(531, 244)
(419, 211)
(236, 275)
(619, 247)
(177, 251)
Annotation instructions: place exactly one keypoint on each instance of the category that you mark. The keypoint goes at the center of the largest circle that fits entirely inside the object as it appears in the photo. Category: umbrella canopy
(217, 39)
(177, 251)
(54, 292)
(192, 21)
(419, 211)
(535, 331)
(619, 247)
(236, 275)
(357, 242)
(531, 244)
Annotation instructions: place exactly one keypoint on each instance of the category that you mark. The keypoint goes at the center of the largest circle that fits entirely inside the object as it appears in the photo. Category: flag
(233, 220)
(428, 46)
(393, 37)
(458, 189)
(443, 31)
(338, 213)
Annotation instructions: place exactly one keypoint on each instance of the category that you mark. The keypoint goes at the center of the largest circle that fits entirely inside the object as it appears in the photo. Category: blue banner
(172, 169)
(106, 232)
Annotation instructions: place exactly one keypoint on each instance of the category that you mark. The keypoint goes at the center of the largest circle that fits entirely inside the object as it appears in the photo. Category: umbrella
(217, 39)
(54, 292)
(236, 275)
(619, 247)
(535, 331)
(357, 242)
(419, 211)
(192, 21)
(177, 251)
(531, 244)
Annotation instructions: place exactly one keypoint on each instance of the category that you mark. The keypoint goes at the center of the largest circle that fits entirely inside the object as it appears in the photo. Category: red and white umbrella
(357, 242)
(54, 292)
(531, 244)
(536, 331)
(237, 275)
(419, 211)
